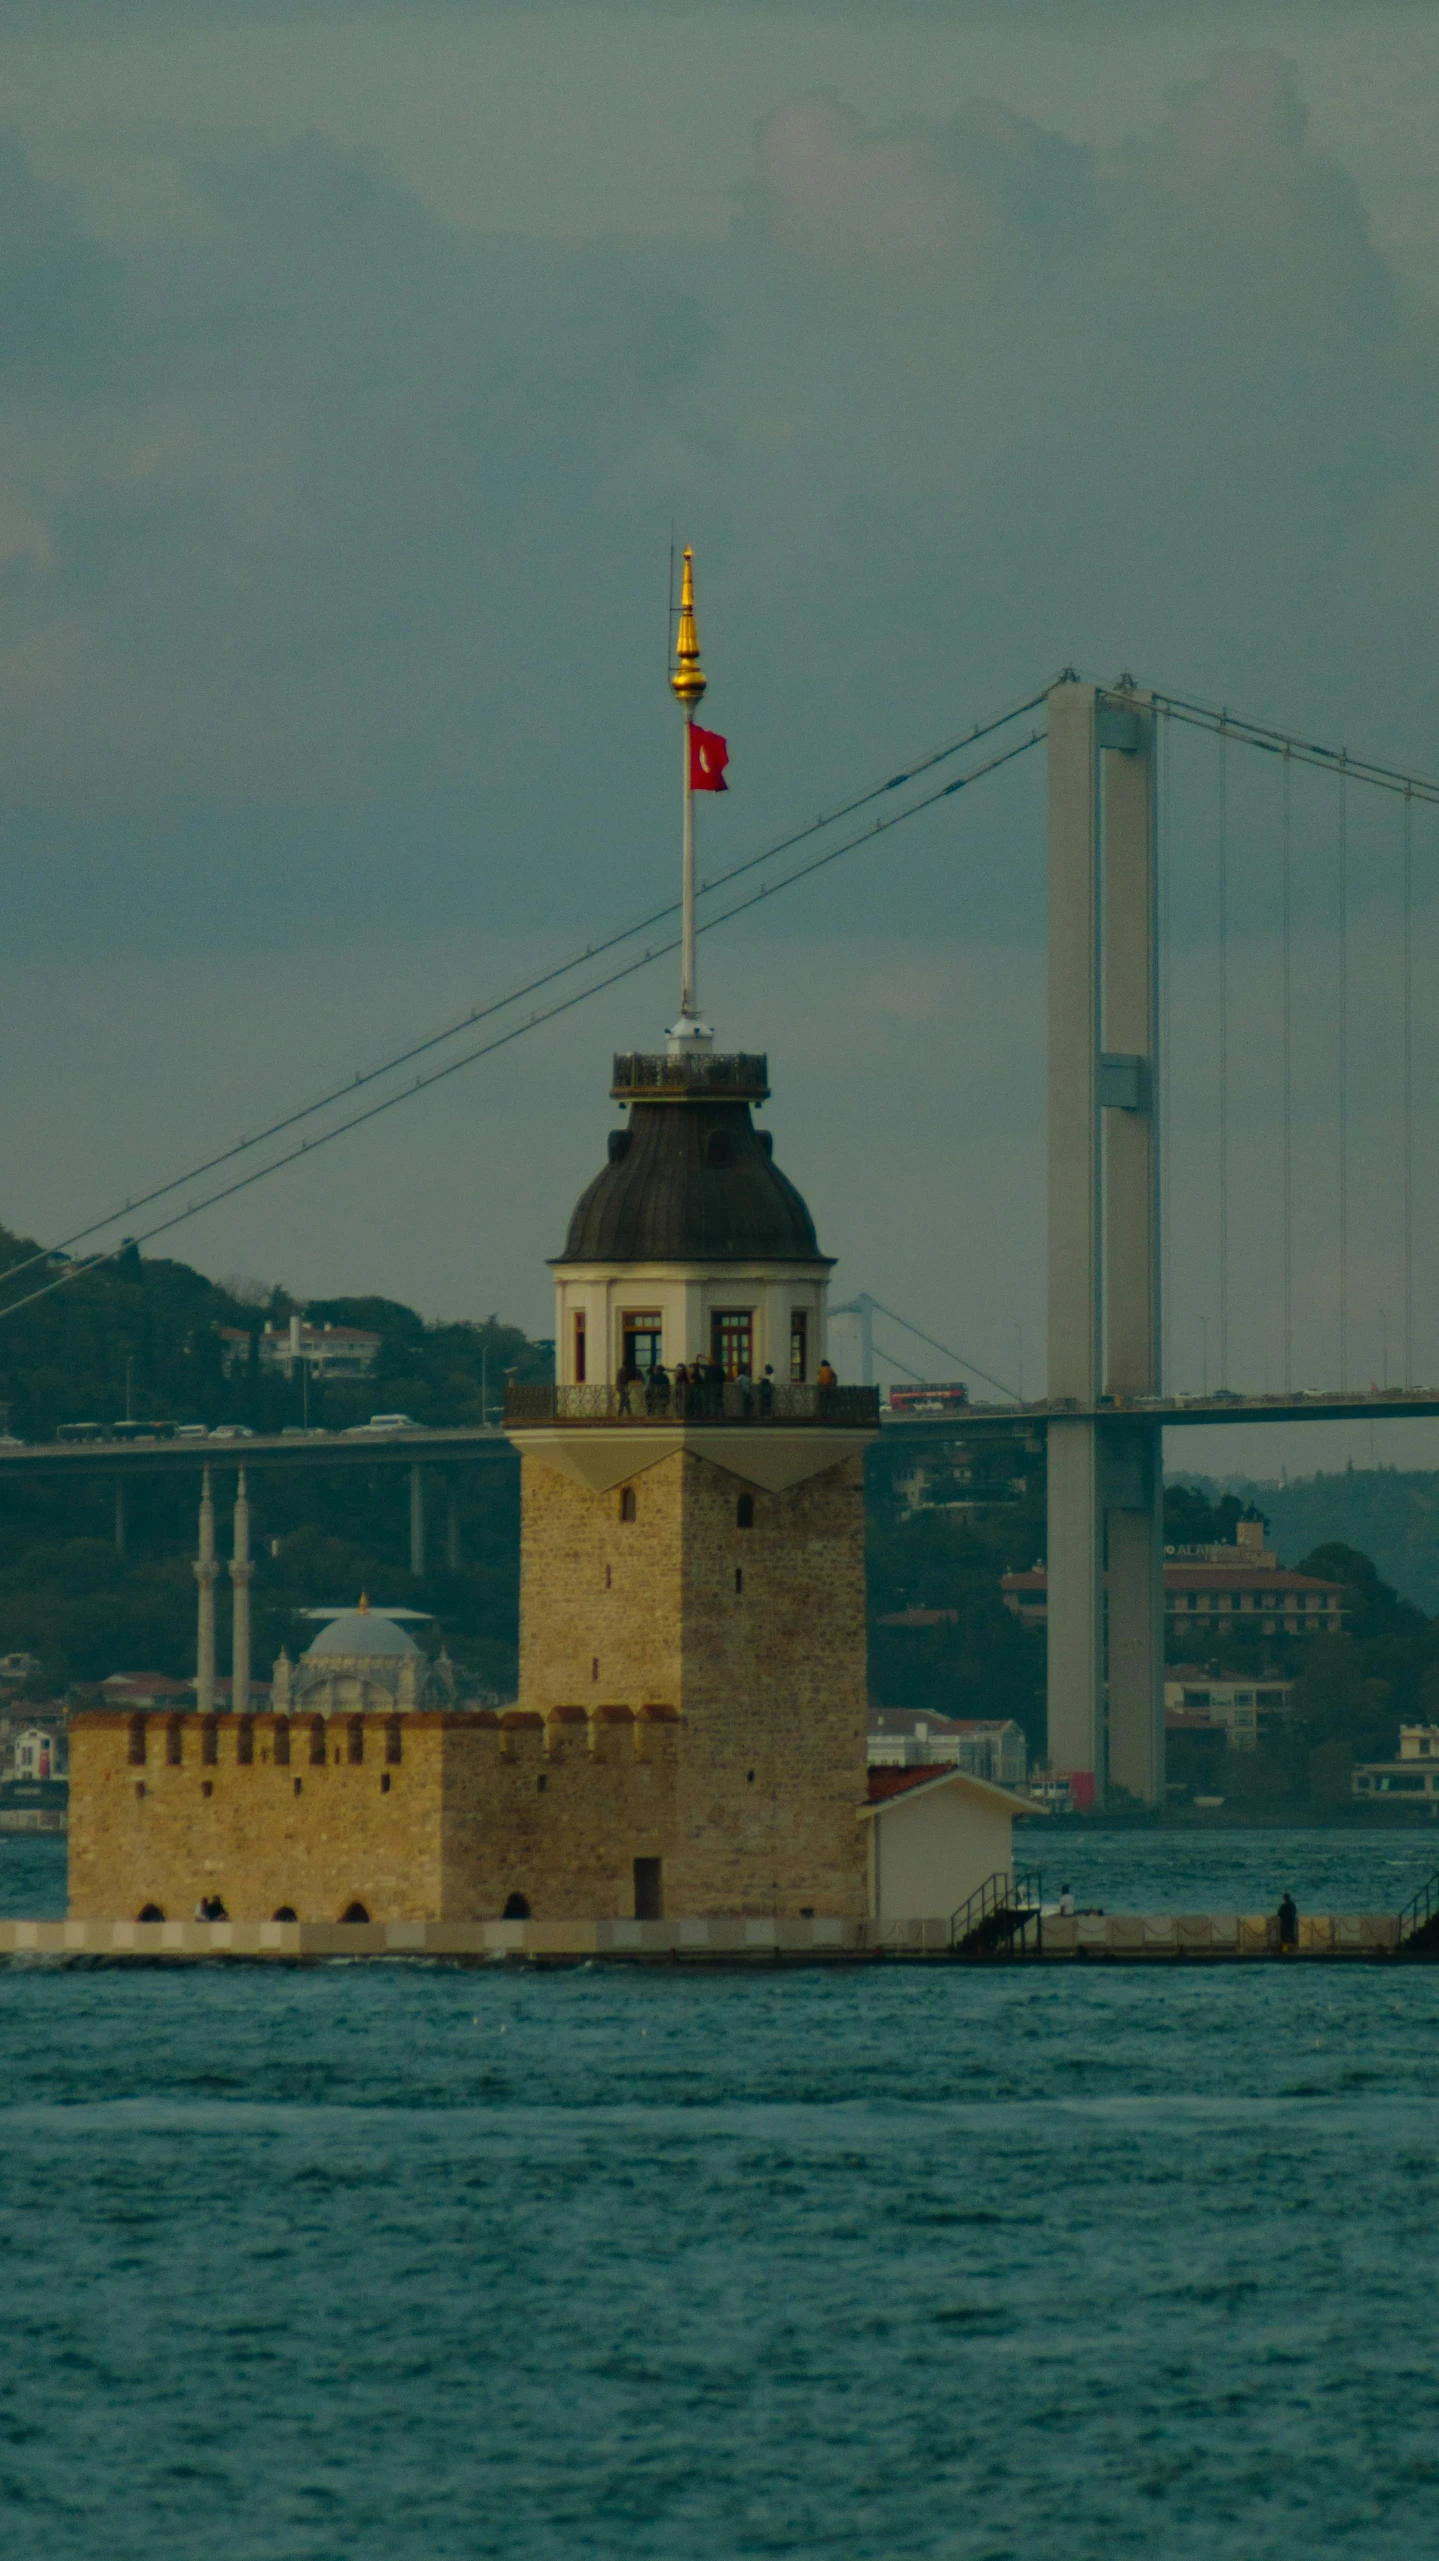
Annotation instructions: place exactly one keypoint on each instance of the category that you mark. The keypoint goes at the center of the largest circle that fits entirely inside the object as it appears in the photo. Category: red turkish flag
(708, 758)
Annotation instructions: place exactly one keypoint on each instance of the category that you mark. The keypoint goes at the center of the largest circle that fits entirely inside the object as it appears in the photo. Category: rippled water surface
(375, 2262)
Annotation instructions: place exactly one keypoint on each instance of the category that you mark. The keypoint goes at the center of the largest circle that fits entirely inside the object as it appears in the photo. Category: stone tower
(694, 1550)
(692, 1543)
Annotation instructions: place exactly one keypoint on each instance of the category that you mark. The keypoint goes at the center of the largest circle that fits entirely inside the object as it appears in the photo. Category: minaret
(240, 1573)
(206, 1571)
(687, 684)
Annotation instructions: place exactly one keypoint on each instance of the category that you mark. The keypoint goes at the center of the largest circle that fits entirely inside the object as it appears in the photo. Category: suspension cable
(1286, 851)
(516, 1031)
(948, 1349)
(1164, 749)
(533, 986)
(1343, 1076)
(1223, 1056)
(1408, 1090)
(1305, 751)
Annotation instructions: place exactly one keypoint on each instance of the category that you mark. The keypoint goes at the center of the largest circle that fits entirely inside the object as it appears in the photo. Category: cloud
(332, 535)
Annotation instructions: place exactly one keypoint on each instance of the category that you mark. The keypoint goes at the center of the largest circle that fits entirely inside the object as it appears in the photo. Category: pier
(1115, 1938)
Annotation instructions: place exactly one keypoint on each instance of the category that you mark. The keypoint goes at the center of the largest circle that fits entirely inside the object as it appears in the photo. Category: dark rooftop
(691, 1180)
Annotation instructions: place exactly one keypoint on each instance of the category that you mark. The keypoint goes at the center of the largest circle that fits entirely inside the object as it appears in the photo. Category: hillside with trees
(146, 1336)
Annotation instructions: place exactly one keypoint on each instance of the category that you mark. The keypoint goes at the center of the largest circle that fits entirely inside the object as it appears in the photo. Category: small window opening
(594, 1667)
(394, 1740)
(149, 1912)
(749, 1778)
(744, 1512)
(719, 1149)
(137, 1742)
(299, 1787)
(355, 1740)
(354, 1912)
(516, 1908)
(245, 1744)
(541, 1783)
(207, 1787)
(579, 1339)
(139, 1787)
(286, 1911)
(739, 1578)
(384, 1782)
(175, 1743)
(799, 1345)
(609, 1579)
(210, 1742)
(317, 1743)
(649, 1890)
(282, 1744)
(627, 1502)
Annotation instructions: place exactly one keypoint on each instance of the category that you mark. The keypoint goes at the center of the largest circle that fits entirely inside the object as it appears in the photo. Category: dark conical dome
(691, 1180)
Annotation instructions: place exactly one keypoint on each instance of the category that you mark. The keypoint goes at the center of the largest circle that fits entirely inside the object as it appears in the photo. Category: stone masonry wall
(767, 1672)
(314, 1836)
(477, 1808)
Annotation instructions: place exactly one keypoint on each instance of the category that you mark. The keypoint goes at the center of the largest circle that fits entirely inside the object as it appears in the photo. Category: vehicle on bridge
(945, 1398)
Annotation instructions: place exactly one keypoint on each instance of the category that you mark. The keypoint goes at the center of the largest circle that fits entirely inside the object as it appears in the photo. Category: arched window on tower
(394, 1740)
(355, 1739)
(317, 1742)
(137, 1742)
(175, 1743)
(744, 1512)
(627, 1503)
(282, 1742)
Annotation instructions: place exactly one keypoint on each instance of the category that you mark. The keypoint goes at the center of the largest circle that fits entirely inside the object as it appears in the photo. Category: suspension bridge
(1141, 1073)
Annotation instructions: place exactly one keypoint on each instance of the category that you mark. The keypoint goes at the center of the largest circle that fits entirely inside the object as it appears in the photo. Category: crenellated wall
(438, 1815)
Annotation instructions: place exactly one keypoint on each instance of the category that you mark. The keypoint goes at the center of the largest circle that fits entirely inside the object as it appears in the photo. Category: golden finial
(364, 1600)
(688, 681)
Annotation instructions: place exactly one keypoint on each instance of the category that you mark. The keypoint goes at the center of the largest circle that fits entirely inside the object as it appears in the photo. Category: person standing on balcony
(766, 1389)
(628, 1380)
(824, 1375)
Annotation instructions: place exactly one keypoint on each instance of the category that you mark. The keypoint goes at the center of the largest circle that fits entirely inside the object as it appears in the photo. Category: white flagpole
(688, 1000)
(688, 684)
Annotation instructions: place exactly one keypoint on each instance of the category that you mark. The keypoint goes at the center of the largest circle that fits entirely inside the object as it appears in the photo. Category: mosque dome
(691, 1180)
(361, 1631)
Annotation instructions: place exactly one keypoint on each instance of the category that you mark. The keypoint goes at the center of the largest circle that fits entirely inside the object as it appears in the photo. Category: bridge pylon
(1105, 1478)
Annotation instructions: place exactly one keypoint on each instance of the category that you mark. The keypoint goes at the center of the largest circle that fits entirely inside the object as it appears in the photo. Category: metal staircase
(1004, 1918)
(1419, 1921)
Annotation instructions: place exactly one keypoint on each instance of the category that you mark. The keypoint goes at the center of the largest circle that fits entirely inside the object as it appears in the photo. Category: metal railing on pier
(998, 1920)
(728, 1401)
(1419, 1920)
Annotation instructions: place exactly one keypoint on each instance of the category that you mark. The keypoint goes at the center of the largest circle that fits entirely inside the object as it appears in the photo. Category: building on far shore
(1414, 1776)
(327, 1351)
(1209, 1588)
(990, 1747)
(1241, 1709)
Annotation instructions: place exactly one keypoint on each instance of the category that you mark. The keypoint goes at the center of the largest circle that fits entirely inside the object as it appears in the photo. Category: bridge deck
(1370, 1405)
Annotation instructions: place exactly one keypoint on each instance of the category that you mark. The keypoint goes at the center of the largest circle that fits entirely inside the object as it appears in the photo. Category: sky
(358, 363)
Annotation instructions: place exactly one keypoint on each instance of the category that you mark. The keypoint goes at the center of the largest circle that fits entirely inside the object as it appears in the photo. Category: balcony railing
(726, 1075)
(735, 1401)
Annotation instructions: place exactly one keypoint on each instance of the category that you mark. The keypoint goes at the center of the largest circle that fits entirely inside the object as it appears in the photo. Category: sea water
(388, 2262)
